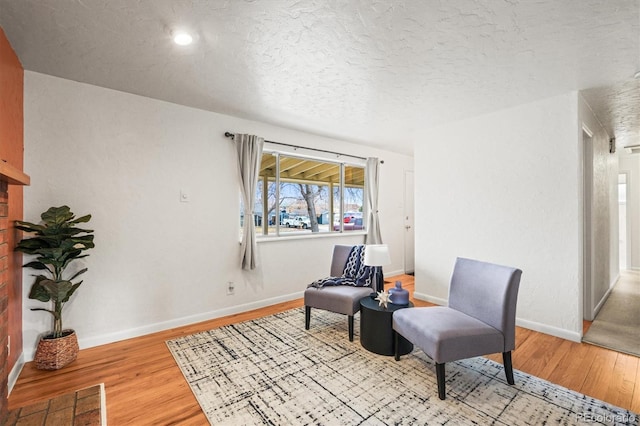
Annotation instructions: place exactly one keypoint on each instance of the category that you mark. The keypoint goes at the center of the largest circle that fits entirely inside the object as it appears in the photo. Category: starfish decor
(383, 298)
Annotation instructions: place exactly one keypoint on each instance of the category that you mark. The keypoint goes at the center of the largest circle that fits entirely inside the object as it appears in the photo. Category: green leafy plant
(56, 242)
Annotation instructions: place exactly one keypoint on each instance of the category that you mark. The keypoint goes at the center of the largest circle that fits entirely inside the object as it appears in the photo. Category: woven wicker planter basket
(53, 354)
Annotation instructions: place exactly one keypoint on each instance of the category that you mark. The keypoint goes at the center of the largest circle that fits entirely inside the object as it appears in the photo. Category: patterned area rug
(273, 371)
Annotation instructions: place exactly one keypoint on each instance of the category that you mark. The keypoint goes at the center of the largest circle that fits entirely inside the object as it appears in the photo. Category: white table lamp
(377, 255)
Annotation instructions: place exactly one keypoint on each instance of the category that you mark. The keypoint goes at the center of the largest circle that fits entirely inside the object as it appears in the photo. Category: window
(302, 196)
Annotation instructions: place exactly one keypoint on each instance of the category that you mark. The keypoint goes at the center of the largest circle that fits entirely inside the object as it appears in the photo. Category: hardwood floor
(144, 385)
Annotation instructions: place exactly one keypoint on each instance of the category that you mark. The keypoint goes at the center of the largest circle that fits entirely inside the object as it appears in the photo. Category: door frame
(586, 137)
(409, 253)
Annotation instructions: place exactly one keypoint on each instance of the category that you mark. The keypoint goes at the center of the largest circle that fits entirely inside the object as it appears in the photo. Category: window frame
(342, 164)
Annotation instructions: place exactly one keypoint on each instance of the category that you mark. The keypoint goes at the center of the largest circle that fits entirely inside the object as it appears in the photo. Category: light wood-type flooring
(144, 386)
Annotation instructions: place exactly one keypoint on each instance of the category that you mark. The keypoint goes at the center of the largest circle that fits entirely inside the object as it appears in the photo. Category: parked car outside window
(352, 225)
(297, 222)
(350, 216)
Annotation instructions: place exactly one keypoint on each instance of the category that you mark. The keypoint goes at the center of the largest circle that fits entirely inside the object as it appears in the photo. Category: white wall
(630, 163)
(159, 263)
(506, 188)
(604, 210)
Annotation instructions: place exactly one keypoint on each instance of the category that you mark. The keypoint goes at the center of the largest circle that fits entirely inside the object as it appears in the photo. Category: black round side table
(376, 328)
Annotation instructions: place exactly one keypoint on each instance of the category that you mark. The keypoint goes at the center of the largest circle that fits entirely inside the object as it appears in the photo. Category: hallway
(616, 325)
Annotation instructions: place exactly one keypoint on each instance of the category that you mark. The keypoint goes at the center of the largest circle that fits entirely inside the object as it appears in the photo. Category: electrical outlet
(230, 288)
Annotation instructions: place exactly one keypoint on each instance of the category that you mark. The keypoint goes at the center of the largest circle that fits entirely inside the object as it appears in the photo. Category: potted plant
(56, 242)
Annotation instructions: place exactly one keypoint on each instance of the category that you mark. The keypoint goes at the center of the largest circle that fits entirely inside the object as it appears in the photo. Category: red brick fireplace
(11, 208)
(4, 297)
(10, 279)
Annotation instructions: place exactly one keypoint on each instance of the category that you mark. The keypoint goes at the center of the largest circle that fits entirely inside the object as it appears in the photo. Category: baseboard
(604, 299)
(15, 372)
(430, 299)
(574, 336)
(615, 281)
(531, 325)
(104, 339)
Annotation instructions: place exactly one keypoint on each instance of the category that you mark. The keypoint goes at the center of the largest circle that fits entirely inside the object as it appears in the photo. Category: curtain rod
(231, 135)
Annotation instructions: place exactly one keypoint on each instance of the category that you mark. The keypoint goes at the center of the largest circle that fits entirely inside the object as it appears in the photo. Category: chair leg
(508, 367)
(307, 317)
(440, 376)
(351, 328)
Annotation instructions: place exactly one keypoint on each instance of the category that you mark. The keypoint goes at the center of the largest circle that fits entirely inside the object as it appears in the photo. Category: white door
(409, 249)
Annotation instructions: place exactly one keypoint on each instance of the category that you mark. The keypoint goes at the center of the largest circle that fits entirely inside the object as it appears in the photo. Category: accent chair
(479, 320)
(341, 299)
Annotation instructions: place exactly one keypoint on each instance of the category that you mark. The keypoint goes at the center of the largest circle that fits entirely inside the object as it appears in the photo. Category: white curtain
(249, 150)
(371, 183)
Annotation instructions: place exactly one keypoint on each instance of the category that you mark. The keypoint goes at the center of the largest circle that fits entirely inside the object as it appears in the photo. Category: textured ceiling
(618, 108)
(374, 72)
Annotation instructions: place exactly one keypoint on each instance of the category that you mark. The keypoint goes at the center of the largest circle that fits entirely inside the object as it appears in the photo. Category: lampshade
(376, 255)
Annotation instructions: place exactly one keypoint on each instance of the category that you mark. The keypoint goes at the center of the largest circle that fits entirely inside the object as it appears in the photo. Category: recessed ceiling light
(182, 39)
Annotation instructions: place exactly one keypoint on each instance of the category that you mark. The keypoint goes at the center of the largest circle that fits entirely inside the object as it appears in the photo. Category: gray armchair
(342, 299)
(480, 318)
